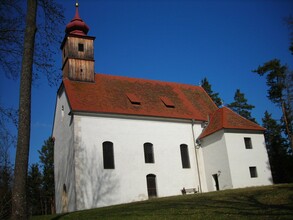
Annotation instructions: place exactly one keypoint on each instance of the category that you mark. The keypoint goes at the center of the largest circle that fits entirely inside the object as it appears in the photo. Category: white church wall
(216, 162)
(241, 159)
(201, 167)
(63, 156)
(96, 186)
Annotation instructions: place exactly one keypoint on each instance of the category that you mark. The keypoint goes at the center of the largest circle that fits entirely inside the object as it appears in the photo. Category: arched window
(184, 156)
(148, 153)
(151, 185)
(108, 155)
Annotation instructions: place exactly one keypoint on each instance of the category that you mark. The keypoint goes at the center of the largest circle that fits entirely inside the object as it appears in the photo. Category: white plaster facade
(79, 158)
(225, 154)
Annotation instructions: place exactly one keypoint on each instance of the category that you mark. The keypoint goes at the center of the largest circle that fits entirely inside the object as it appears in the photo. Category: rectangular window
(184, 156)
(253, 172)
(108, 155)
(247, 142)
(80, 47)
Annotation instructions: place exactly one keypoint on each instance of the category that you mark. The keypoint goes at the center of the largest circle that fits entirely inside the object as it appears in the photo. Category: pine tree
(46, 155)
(241, 106)
(34, 190)
(277, 147)
(5, 188)
(208, 88)
(280, 92)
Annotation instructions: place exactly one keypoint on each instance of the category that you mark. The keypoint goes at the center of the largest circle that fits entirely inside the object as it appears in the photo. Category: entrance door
(151, 185)
(216, 181)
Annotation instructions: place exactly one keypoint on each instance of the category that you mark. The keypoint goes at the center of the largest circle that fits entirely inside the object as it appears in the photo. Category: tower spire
(78, 51)
(77, 25)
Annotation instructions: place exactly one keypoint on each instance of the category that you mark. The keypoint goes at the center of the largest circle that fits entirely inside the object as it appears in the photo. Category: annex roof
(132, 96)
(225, 118)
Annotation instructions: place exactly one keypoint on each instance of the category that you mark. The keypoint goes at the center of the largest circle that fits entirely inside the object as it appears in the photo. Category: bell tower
(78, 51)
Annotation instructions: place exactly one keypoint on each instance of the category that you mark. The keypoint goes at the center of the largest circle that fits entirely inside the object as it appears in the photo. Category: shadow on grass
(267, 204)
(59, 216)
(273, 202)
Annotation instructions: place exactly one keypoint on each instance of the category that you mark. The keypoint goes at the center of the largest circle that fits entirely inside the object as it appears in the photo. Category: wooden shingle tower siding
(78, 51)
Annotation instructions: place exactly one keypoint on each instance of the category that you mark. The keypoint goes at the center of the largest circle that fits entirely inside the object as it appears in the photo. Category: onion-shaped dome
(77, 25)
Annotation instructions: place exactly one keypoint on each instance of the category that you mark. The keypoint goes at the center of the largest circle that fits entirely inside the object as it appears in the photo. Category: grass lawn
(269, 202)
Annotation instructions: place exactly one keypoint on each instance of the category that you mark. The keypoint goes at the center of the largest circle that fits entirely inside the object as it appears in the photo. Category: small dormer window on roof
(133, 99)
(167, 102)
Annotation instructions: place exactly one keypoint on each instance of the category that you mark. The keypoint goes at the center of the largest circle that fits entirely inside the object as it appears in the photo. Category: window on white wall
(184, 156)
(108, 155)
(148, 153)
(253, 172)
(248, 144)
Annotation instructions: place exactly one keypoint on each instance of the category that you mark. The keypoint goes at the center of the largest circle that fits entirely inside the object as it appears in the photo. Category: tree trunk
(19, 203)
(290, 136)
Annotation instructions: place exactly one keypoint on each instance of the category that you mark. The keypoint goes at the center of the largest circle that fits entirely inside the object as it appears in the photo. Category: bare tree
(35, 53)
(11, 37)
(19, 204)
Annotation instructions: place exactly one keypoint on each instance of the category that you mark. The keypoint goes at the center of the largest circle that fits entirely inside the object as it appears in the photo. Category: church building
(120, 139)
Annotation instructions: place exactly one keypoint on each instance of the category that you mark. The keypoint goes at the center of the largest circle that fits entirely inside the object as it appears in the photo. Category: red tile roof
(225, 118)
(113, 94)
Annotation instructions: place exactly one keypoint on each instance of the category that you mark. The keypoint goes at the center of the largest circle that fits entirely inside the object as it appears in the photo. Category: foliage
(241, 106)
(269, 202)
(8, 120)
(46, 155)
(278, 148)
(41, 182)
(208, 88)
(35, 41)
(34, 190)
(289, 21)
(275, 79)
(278, 79)
(5, 188)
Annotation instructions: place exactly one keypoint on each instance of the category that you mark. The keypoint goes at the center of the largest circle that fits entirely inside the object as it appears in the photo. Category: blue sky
(177, 41)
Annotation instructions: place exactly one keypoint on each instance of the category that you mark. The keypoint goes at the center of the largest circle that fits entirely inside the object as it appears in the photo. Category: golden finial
(76, 3)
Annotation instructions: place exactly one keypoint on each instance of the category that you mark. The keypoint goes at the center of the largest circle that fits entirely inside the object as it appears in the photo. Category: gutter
(196, 146)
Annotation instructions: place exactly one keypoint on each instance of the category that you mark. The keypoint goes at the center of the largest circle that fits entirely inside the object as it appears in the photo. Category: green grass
(270, 202)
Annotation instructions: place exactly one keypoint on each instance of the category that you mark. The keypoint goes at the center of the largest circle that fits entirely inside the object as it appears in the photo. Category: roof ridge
(228, 119)
(145, 79)
(242, 117)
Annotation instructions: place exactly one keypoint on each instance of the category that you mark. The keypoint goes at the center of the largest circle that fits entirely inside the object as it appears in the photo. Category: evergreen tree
(6, 171)
(277, 147)
(34, 190)
(241, 106)
(46, 155)
(5, 189)
(280, 92)
(289, 21)
(208, 88)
